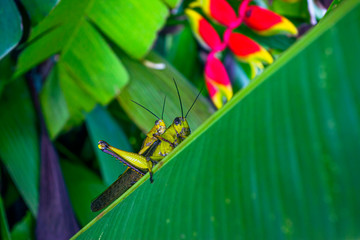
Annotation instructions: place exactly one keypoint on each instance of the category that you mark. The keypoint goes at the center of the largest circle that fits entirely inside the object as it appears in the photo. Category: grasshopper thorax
(181, 127)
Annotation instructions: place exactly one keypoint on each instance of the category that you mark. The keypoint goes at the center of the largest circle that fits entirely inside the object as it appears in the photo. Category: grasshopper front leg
(165, 140)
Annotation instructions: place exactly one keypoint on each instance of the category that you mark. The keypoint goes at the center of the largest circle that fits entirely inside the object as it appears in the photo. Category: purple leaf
(55, 219)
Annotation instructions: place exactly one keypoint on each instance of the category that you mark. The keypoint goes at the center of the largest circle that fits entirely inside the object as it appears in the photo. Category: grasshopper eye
(157, 122)
(177, 121)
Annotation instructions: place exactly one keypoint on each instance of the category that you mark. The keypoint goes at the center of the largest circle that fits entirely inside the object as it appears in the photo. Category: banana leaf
(280, 160)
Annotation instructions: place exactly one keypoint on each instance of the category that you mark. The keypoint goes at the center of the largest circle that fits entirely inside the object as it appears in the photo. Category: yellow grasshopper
(139, 161)
(130, 176)
(140, 164)
(173, 135)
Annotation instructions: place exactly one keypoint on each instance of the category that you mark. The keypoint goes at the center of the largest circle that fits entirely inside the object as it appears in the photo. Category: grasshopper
(139, 164)
(173, 136)
(130, 176)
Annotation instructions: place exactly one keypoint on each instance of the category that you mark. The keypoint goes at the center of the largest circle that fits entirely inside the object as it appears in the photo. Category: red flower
(217, 82)
(203, 31)
(219, 10)
(267, 23)
(249, 51)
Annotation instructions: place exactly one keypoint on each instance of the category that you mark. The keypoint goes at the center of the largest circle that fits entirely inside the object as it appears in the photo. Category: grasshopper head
(181, 127)
(160, 127)
(103, 145)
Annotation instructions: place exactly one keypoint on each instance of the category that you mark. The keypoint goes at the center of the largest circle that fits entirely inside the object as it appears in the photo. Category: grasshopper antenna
(146, 109)
(177, 89)
(162, 114)
(194, 101)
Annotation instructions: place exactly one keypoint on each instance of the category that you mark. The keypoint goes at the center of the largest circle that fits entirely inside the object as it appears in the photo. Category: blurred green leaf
(83, 186)
(78, 100)
(297, 9)
(53, 104)
(131, 24)
(6, 70)
(19, 147)
(98, 72)
(4, 227)
(149, 86)
(23, 230)
(38, 9)
(10, 26)
(280, 160)
(182, 51)
(11, 195)
(172, 3)
(90, 63)
(101, 126)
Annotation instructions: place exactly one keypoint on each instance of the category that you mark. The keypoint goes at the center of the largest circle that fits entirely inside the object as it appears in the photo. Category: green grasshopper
(173, 135)
(130, 176)
(140, 164)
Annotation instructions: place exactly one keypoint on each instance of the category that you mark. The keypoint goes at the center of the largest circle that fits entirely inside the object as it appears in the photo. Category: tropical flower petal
(217, 82)
(267, 23)
(247, 50)
(219, 10)
(203, 31)
(215, 94)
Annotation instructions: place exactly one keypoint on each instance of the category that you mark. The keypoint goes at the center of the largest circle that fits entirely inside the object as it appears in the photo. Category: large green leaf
(68, 25)
(132, 25)
(19, 147)
(279, 161)
(85, 56)
(10, 26)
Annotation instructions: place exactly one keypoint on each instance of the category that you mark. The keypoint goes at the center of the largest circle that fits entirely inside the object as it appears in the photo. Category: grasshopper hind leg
(151, 177)
(151, 163)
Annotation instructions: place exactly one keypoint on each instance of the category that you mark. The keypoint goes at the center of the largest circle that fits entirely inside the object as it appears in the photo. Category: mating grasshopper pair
(160, 141)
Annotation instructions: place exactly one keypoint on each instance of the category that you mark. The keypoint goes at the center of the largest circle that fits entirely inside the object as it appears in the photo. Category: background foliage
(279, 160)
